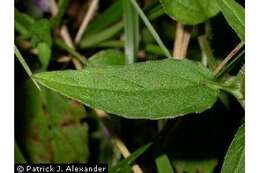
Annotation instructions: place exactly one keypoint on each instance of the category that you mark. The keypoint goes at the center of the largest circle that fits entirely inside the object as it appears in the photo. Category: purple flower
(42, 4)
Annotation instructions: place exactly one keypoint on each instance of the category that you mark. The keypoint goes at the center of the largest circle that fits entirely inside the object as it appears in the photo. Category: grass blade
(131, 31)
(151, 29)
(24, 64)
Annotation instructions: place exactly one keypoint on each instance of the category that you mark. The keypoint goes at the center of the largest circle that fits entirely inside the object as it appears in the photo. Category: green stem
(25, 66)
(151, 29)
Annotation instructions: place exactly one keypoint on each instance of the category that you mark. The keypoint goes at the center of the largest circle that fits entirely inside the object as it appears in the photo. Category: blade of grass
(131, 31)
(24, 64)
(22, 61)
(230, 56)
(205, 48)
(94, 39)
(229, 66)
(89, 15)
(151, 29)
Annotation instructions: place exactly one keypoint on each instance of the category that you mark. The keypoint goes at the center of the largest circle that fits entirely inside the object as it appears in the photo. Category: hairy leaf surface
(151, 90)
(190, 12)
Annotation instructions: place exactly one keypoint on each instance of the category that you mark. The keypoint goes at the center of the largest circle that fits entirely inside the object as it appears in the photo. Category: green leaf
(94, 39)
(123, 164)
(106, 57)
(107, 18)
(44, 53)
(22, 21)
(151, 90)
(131, 31)
(57, 135)
(70, 144)
(234, 13)
(235, 158)
(190, 12)
(195, 165)
(41, 32)
(163, 164)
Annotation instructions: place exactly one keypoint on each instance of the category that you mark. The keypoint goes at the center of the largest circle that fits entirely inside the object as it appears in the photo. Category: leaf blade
(235, 157)
(163, 164)
(234, 13)
(178, 86)
(190, 12)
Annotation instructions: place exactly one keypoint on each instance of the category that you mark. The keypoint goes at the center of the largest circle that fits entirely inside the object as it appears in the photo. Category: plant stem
(230, 56)
(151, 29)
(65, 33)
(25, 66)
(89, 15)
(131, 31)
(182, 38)
(205, 48)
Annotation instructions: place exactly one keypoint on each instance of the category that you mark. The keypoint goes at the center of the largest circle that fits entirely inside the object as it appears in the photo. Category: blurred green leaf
(93, 39)
(49, 127)
(190, 12)
(70, 144)
(235, 157)
(234, 13)
(22, 21)
(41, 32)
(107, 18)
(106, 57)
(194, 166)
(44, 53)
(56, 20)
(163, 164)
(180, 87)
(123, 164)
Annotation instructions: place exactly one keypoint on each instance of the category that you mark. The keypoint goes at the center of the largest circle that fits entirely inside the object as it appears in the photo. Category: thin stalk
(25, 66)
(71, 51)
(65, 35)
(229, 66)
(230, 56)
(206, 50)
(89, 15)
(182, 38)
(151, 29)
(131, 31)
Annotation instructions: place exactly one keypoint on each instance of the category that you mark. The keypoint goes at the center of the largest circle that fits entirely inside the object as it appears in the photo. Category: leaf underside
(151, 90)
